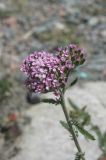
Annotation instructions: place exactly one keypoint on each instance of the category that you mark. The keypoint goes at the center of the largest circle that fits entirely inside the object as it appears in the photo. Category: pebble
(21, 48)
(20, 77)
(2, 7)
(10, 22)
(97, 64)
(93, 21)
(60, 26)
(73, 19)
(23, 21)
(8, 33)
(103, 33)
(74, 16)
(35, 45)
(2, 76)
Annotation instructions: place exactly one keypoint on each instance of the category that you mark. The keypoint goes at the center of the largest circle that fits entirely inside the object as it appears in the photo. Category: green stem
(70, 126)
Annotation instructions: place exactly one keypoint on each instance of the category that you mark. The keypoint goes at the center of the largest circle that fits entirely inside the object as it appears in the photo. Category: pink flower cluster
(71, 56)
(47, 72)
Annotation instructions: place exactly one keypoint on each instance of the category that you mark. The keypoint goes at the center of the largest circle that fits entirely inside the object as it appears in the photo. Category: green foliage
(65, 125)
(61, 37)
(80, 118)
(5, 86)
(83, 131)
(80, 114)
(79, 127)
(53, 101)
(79, 156)
(21, 4)
(5, 14)
(73, 82)
(101, 139)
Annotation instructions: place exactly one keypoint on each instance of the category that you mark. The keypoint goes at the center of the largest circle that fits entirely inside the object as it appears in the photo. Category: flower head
(71, 56)
(41, 68)
(47, 72)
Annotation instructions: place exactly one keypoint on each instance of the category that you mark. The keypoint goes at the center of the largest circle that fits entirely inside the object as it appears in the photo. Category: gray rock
(20, 77)
(2, 7)
(45, 139)
(73, 19)
(48, 25)
(71, 2)
(103, 33)
(23, 21)
(74, 16)
(93, 21)
(8, 33)
(36, 45)
(21, 47)
(32, 20)
(2, 76)
(33, 98)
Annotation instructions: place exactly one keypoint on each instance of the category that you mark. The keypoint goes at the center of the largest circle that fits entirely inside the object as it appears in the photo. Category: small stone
(102, 158)
(8, 33)
(21, 48)
(36, 45)
(74, 16)
(2, 7)
(60, 26)
(85, 19)
(93, 21)
(33, 20)
(103, 33)
(33, 98)
(11, 22)
(2, 76)
(23, 21)
(20, 77)
(62, 11)
(47, 26)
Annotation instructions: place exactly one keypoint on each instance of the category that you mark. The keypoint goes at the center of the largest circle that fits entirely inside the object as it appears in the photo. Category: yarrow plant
(49, 73)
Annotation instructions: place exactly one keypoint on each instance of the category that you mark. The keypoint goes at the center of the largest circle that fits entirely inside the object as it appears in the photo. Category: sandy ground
(45, 139)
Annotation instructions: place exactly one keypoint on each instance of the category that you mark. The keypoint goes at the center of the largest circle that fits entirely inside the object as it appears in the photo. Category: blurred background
(28, 25)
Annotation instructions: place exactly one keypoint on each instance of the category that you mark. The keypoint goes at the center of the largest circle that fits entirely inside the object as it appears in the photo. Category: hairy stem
(71, 127)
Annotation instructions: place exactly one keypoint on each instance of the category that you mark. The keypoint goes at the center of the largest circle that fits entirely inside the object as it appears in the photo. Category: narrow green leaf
(86, 133)
(65, 125)
(73, 82)
(99, 134)
(83, 131)
(50, 101)
(73, 105)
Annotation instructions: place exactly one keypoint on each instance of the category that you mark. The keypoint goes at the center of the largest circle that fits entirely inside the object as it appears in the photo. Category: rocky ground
(33, 25)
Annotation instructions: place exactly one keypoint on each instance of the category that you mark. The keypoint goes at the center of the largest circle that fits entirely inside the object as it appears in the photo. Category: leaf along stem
(71, 127)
